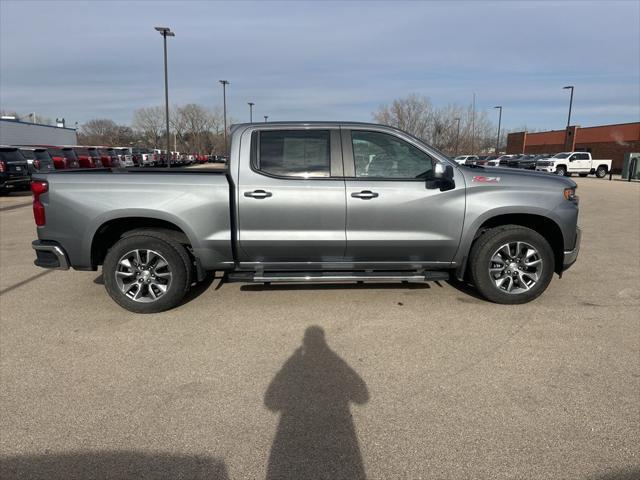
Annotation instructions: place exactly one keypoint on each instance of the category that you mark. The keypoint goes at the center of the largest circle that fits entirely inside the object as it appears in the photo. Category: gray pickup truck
(309, 202)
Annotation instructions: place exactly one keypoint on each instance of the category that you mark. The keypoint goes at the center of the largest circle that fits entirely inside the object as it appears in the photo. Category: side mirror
(442, 177)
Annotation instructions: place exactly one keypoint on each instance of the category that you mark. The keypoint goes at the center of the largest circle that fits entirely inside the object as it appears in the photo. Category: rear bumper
(50, 254)
(570, 256)
(15, 182)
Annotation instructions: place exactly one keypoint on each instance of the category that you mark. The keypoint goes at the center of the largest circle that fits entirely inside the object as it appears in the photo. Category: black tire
(488, 243)
(561, 170)
(176, 257)
(583, 174)
(601, 171)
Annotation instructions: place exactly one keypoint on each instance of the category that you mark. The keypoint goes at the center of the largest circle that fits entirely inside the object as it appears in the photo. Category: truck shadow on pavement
(120, 464)
(316, 437)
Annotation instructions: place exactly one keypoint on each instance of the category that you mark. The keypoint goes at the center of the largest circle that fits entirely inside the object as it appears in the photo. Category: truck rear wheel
(147, 272)
(511, 264)
(601, 171)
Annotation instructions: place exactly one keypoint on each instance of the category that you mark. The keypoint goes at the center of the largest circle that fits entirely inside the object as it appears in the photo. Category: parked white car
(566, 163)
(145, 156)
(124, 156)
(466, 159)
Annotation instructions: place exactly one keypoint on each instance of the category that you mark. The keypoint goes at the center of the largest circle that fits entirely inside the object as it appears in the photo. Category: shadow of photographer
(316, 437)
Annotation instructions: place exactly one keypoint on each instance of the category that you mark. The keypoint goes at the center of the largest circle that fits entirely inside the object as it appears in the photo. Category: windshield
(69, 153)
(12, 155)
(561, 155)
(55, 152)
(42, 155)
(30, 154)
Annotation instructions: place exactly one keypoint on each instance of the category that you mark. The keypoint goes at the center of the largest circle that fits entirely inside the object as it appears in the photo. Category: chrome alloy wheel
(515, 267)
(143, 275)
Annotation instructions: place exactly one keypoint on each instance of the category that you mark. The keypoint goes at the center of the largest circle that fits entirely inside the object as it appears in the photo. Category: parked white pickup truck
(581, 163)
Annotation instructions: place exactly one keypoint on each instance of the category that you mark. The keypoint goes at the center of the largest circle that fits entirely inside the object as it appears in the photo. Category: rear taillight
(3, 167)
(36, 164)
(38, 188)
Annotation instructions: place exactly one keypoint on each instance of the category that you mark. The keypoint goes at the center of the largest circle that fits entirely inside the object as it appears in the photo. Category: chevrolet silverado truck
(566, 163)
(309, 202)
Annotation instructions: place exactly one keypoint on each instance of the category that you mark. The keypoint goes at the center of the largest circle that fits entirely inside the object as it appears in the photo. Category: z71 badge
(483, 179)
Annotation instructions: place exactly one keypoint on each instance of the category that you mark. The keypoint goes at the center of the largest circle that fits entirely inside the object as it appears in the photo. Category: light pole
(457, 135)
(266, 117)
(570, 103)
(166, 32)
(224, 109)
(499, 123)
(251, 104)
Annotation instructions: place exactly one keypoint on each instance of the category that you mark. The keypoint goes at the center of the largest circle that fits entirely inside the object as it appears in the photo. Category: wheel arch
(109, 232)
(543, 225)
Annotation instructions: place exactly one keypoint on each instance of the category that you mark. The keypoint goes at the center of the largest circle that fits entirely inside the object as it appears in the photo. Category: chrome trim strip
(570, 256)
(338, 278)
(57, 251)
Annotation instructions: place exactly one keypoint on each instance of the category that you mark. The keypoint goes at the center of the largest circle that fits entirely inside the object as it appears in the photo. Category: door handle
(365, 194)
(258, 194)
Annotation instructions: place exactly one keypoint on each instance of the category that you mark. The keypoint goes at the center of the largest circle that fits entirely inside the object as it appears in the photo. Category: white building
(15, 132)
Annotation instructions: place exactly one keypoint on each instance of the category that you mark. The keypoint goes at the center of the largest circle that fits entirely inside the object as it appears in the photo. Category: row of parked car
(564, 163)
(515, 161)
(19, 162)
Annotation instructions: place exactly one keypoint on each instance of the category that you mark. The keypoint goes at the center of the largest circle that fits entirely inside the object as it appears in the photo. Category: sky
(323, 60)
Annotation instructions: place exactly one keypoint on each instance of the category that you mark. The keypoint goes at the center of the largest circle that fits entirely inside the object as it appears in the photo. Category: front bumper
(546, 169)
(570, 256)
(50, 254)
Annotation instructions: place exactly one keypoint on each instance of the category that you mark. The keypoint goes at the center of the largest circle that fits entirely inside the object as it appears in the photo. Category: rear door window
(294, 153)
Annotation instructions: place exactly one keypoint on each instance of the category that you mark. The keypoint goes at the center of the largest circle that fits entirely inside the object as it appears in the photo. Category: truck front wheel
(561, 170)
(511, 264)
(147, 272)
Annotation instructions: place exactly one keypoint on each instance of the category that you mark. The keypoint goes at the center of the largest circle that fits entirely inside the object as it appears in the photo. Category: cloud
(323, 60)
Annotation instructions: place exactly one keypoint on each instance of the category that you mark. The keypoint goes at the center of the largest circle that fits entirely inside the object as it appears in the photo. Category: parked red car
(108, 157)
(63, 157)
(88, 157)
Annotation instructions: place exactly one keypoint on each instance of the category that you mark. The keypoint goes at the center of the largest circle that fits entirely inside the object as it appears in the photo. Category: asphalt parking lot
(395, 382)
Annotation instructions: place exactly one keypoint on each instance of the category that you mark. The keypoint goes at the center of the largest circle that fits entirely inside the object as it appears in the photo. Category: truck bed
(81, 202)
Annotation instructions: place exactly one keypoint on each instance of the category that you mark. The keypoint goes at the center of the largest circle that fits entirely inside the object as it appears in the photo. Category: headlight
(570, 194)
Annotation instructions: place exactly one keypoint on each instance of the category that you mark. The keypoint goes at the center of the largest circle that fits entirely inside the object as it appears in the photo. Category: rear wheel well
(543, 225)
(112, 231)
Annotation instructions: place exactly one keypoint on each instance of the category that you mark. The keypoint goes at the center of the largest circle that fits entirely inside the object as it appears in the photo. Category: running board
(336, 277)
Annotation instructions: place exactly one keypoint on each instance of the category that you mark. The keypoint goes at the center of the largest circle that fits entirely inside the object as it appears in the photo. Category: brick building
(604, 141)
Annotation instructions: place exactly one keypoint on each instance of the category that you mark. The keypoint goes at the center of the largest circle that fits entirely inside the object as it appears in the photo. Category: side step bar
(336, 277)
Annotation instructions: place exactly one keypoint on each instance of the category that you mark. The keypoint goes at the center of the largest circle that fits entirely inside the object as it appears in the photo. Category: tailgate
(17, 169)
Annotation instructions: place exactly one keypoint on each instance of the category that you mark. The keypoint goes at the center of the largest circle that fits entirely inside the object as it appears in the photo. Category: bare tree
(197, 128)
(439, 126)
(102, 131)
(412, 114)
(149, 122)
